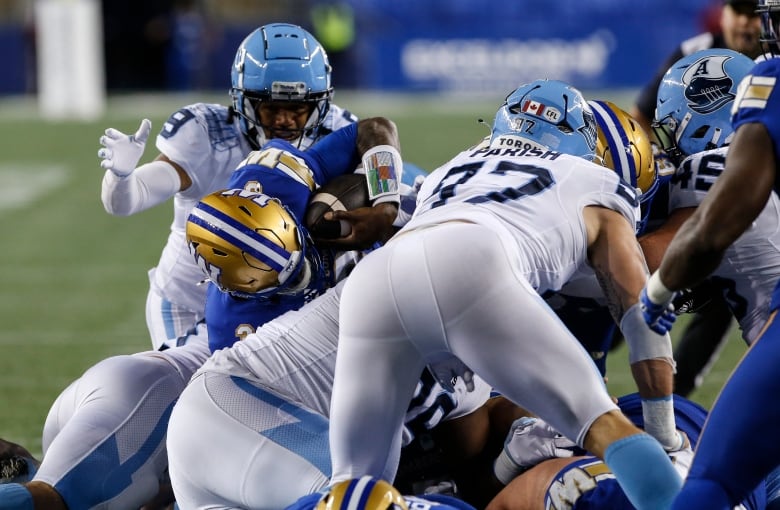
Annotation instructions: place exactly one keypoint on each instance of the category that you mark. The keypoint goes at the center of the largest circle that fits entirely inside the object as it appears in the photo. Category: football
(342, 193)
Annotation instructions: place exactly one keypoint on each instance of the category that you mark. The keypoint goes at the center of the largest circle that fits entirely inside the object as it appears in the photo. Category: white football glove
(529, 442)
(121, 153)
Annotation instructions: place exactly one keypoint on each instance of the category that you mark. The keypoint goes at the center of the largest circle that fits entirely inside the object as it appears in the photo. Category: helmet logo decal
(288, 89)
(533, 107)
(541, 110)
(707, 85)
(589, 131)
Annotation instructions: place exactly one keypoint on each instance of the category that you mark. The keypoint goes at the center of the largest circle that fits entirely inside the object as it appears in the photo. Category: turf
(73, 280)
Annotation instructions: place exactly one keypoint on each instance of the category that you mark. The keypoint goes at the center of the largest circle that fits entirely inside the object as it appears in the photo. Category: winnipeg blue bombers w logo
(707, 86)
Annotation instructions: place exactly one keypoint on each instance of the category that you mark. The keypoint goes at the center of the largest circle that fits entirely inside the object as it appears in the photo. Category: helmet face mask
(545, 115)
(250, 245)
(280, 63)
(665, 130)
(769, 10)
(693, 111)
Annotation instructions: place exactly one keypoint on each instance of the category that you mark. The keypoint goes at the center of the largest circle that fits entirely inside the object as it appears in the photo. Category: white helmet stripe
(362, 489)
(614, 131)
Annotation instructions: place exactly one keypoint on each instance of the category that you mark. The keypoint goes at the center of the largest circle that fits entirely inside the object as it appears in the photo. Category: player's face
(283, 119)
(741, 27)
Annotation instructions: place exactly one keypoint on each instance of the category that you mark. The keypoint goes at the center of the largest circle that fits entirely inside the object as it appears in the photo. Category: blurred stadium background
(73, 279)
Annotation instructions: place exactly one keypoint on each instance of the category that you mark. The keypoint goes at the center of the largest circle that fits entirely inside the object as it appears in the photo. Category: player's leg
(166, 320)
(104, 440)
(377, 370)
(736, 449)
(234, 444)
(497, 324)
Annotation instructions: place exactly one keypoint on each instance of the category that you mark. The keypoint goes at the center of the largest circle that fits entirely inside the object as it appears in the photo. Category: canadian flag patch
(531, 106)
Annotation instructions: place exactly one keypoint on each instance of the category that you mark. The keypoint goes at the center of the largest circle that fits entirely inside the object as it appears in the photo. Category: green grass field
(73, 278)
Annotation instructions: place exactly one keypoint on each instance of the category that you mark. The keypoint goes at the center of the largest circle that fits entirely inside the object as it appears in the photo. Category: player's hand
(659, 316)
(121, 153)
(532, 440)
(362, 227)
(529, 442)
(684, 442)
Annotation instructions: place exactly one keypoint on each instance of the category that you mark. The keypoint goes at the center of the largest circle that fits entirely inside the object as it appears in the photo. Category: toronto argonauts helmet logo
(589, 130)
(707, 86)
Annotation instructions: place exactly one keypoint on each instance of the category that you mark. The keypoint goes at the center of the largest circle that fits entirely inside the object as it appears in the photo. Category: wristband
(644, 343)
(658, 415)
(506, 469)
(384, 168)
(657, 292)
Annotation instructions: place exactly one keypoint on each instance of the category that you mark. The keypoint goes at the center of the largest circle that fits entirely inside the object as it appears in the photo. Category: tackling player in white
(280, 88)
(494, 228)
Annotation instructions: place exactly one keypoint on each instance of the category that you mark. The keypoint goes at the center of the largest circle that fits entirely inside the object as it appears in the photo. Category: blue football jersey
(282, 171)
(758, 100)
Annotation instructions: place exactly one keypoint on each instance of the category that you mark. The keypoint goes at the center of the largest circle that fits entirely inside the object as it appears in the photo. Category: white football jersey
(295, 356)
(200, 139)
(751, 266)
(533, 199)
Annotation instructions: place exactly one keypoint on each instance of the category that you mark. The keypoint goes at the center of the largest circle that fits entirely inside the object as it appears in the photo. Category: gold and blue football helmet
(365, 493)
(624, 146)
(249, 244)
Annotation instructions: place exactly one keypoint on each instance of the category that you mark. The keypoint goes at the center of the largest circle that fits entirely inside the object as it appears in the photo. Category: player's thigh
(417, 283)
(110, 451)
(495, 322)
(234, 444)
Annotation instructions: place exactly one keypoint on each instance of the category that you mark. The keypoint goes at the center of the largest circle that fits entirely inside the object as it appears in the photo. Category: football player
(545, 475)
(694, 125)
(368, 493)
(493, 230)
(737, 448)
(104, 437)
(280, 88)
(292, 357)
(624, 146)
(291, 175)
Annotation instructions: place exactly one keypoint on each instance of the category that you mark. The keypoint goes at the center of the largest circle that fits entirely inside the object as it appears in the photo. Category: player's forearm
(147, 186)
(654, 378)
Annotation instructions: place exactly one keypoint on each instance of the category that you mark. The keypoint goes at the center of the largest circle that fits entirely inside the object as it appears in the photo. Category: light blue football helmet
(693, 111)
(547, 115)
(279, 62)
(769, 10)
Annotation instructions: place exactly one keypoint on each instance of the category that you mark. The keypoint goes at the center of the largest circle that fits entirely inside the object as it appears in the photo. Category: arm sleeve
(335, 154)
(147, 186)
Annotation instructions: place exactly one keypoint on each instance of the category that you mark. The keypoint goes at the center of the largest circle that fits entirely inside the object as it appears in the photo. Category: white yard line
(23, 183)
